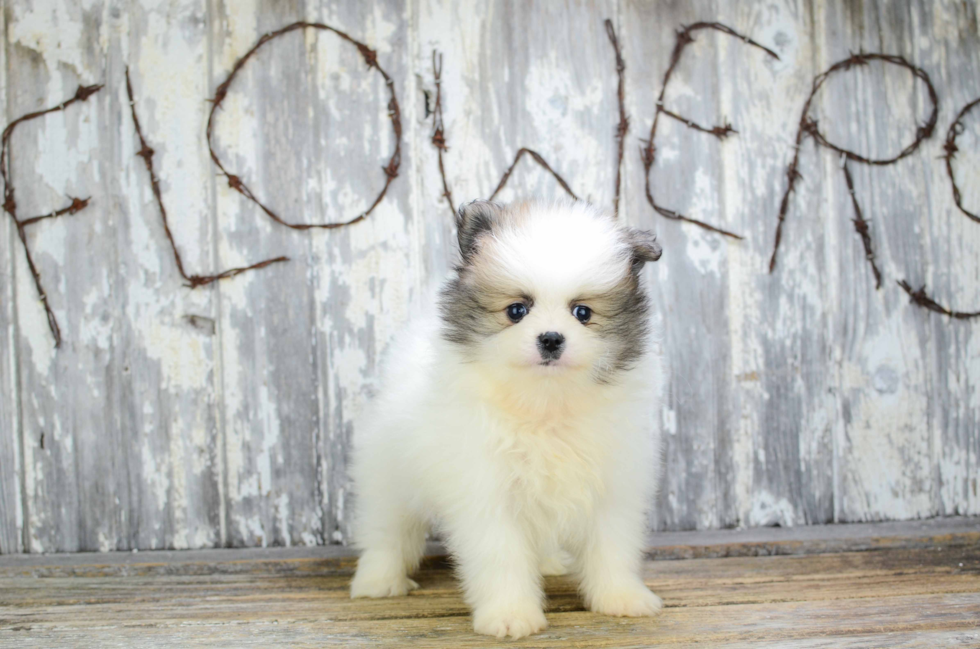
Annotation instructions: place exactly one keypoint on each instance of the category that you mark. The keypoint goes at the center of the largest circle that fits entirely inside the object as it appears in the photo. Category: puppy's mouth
(554, 363)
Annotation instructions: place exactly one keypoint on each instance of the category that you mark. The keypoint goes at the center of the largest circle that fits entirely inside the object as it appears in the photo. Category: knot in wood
(146, 152)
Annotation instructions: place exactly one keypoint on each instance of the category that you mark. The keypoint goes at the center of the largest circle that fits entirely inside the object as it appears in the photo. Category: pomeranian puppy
(521, 417)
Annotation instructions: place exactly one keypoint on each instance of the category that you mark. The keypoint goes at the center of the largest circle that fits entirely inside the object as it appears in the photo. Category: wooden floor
(846, 586)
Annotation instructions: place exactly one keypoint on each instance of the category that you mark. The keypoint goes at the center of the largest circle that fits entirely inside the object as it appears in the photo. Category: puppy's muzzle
(551, 345)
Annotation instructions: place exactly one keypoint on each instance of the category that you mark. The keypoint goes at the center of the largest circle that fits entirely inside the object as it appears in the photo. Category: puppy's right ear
(645, 247)
(473, 220)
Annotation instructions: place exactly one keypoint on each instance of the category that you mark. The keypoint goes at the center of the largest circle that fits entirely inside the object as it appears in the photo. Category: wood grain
(11, 475)
(75, 486)
(222, 416)
(166, 396)
(862, 599)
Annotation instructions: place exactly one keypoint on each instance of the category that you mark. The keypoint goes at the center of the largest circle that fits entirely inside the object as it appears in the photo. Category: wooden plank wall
(173, 417)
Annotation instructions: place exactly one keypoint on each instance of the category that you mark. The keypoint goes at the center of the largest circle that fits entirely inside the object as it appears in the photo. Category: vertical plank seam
(414, 55)
(313, 274)
(414, 58)
(818, 64)
(16, 357)
(218, 380)
(624, 202)
(719, 163)
(126, 537)
(934, 323)
(17, 431)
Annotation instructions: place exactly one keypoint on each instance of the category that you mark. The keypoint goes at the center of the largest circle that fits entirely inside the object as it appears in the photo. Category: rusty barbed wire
(861, 226)
(10, 204)
(440, 142)
(146, 152)
(950, 149)
(920, 298)
(623, 127)
(394, 113)
(809, 126)
(438, 129)
(649, 152)
(542, 162)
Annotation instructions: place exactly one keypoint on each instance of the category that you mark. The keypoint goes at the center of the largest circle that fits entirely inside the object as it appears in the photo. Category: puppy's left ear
(473, 220)
(644, 245)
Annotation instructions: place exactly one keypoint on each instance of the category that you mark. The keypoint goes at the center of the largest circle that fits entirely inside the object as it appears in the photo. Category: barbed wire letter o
(371, 59)
(922, 131)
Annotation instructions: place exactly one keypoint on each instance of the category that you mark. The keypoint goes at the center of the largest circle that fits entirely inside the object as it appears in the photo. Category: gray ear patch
(472, 220)
(644, 245)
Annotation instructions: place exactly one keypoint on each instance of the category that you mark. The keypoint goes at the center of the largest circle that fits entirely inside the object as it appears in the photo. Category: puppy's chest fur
(554, 466)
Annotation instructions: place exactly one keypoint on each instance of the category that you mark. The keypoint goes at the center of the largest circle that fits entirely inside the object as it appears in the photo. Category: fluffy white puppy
(521, 420)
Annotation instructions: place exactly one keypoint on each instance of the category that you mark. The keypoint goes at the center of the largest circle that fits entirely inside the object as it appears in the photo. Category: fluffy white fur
(527, 470)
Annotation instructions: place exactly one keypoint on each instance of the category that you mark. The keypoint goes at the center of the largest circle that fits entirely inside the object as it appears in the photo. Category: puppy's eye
(582, 313)
(516, 312)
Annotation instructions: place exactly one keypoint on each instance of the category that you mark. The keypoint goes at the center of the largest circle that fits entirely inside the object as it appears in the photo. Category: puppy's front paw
(633, 600)
(379, 575)
(513, 621)
(386, 587)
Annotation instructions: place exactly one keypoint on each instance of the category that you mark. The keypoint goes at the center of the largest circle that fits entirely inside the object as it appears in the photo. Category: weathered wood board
(217, 416)
(917, 593)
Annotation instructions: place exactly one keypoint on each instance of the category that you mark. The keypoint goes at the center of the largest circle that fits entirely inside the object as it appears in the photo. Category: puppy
(521, 417)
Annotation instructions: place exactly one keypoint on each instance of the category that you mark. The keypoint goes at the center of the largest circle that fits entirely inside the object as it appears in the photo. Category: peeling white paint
(821, 375)
(768, 511)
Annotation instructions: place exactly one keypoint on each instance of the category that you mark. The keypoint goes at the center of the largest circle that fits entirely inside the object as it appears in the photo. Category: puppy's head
(548, 289)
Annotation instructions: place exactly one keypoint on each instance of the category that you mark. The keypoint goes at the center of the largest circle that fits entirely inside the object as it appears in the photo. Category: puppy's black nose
(551, 345)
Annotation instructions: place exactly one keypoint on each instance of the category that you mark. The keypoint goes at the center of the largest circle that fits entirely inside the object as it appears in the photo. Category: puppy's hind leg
(393, 540)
